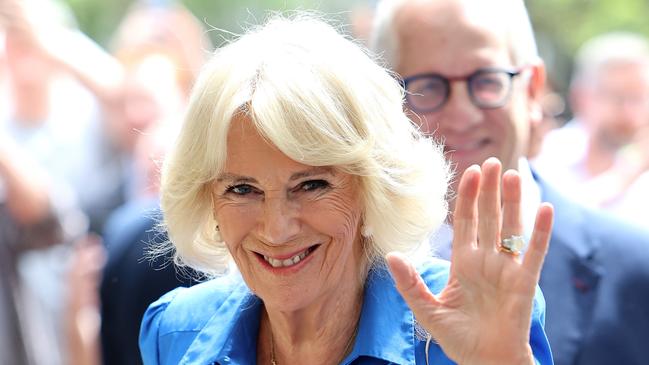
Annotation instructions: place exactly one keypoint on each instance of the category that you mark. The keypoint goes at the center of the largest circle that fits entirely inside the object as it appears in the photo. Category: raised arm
(26, 198)
(67, 49)
(26, 193)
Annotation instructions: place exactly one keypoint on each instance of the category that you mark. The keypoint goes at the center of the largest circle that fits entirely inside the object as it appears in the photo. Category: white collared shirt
(441, 240)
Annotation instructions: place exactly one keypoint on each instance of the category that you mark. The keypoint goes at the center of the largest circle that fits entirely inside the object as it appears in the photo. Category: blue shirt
(218, 322)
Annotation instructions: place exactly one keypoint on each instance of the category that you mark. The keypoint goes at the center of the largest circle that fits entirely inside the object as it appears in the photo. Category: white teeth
(288, 262)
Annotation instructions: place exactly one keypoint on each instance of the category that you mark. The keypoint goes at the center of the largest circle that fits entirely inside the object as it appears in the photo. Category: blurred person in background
(165, 46)
(36, 132)
(28, 222)
(131, 281)
(161, 47)
(51, 113)
(143, 82)
(601, 157)
(474, 80)
(129, 93)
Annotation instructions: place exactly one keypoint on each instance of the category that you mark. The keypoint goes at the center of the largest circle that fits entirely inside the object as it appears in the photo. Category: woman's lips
(291, 260)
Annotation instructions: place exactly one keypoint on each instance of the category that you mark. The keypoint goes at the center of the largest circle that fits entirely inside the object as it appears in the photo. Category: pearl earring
(217, 234)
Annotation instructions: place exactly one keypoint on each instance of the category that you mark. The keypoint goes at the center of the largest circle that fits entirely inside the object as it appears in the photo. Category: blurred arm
(69, 50)
(27, 195)
(33, 221)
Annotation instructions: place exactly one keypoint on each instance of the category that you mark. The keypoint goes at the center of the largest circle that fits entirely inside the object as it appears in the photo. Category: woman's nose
(280, 221)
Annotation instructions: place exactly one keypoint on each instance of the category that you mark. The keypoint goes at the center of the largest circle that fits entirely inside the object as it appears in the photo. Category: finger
(465, 216)
(411, 286)
(489, 205)
(512, 219)
(540, 239)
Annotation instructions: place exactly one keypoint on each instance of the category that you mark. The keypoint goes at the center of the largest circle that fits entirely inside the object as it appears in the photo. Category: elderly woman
(297, 169)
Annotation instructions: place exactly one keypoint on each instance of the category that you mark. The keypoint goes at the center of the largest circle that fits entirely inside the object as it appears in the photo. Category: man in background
(474, 80)
(601, 157)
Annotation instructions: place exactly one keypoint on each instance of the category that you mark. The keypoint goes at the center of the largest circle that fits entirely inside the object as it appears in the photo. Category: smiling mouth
(291, 261)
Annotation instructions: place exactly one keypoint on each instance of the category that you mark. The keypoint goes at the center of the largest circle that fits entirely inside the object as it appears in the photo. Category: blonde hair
(323, 102)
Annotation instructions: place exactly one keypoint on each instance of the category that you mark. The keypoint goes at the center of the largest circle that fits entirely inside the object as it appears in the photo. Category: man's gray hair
(610, 48)
(384, 40)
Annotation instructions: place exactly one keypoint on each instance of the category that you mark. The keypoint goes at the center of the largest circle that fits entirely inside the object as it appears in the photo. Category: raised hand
(483, 314)
(16, 20)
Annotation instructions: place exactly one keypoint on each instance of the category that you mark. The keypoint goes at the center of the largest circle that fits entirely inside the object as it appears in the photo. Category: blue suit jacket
(596, 284)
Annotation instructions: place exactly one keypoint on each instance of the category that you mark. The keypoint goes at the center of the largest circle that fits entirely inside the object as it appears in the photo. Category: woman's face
(292, 229)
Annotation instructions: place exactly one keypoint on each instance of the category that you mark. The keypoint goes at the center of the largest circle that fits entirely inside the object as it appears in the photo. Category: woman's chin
(286, 299)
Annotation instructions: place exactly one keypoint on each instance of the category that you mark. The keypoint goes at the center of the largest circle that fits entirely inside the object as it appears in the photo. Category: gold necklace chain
(272, 350)
(348, 347)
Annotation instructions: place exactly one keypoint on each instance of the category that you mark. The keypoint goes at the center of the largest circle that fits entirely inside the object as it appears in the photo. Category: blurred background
(561, 25)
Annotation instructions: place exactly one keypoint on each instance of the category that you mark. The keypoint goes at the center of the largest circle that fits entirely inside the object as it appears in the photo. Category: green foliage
(99, 18)
(571, 22)
(563, 25)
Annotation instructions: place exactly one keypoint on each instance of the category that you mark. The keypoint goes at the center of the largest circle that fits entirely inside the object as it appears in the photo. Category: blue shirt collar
(386, 328)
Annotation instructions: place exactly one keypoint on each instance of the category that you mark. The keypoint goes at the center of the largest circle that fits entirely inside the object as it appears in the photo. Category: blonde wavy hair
(321, 100)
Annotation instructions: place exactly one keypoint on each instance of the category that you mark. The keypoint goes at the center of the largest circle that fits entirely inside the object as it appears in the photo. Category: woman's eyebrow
(225, 177)
(318, 170)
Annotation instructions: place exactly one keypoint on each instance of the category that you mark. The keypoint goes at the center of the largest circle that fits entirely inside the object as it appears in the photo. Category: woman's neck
(320, 334)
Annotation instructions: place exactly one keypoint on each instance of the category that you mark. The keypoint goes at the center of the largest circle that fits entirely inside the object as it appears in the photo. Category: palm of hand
(483, 314)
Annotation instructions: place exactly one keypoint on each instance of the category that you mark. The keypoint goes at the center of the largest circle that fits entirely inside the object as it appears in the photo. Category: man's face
(616, 104)
(441, 38)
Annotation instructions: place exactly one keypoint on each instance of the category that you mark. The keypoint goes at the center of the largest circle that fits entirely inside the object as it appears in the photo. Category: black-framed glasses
(488, 88)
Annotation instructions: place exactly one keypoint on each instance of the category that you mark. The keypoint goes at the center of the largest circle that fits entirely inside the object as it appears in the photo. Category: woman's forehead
(250, 154)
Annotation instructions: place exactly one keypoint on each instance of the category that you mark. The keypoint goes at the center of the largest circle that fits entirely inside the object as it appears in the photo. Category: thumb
(411, 286)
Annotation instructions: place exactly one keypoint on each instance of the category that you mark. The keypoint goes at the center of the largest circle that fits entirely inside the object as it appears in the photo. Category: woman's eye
(312, 185)
(241, 189)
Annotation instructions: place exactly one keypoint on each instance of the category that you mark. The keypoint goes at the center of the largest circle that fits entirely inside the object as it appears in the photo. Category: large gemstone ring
(512, 244)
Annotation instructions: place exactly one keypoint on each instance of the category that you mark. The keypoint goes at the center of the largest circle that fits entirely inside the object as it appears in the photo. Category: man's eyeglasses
(488, 88)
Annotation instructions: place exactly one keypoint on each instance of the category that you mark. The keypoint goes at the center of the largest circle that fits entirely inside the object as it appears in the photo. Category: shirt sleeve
(538, 339)
(150, 329)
